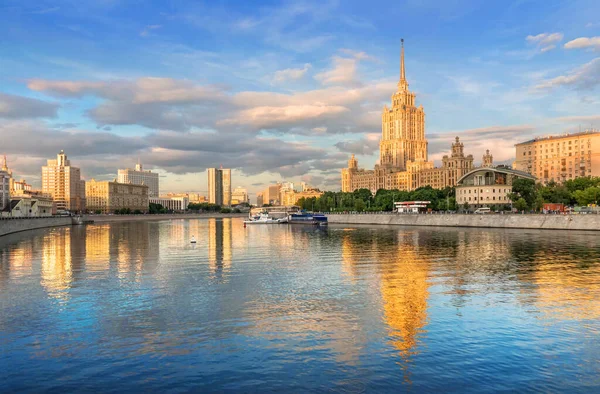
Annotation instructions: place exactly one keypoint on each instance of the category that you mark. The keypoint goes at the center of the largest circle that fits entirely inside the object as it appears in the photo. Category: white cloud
(18, 107)
(146, 31)
(292, 74)
(584, 42)
(585, 77)
(273, 117)
(545, 41)
(343, 72)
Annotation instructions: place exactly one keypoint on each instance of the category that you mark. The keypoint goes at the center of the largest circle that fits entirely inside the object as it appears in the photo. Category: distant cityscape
(404, 165)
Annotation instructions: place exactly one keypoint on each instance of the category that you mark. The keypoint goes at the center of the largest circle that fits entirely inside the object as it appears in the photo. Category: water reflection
(298, 308)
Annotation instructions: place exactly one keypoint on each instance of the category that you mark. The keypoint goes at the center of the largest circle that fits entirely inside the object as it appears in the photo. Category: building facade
(239, 196)
(560, 158)
(487, 187)
(5, 185)
(178, 204)
(63, 182)
(219, 186)
(403, 156)
(139, 176)
(108, 197)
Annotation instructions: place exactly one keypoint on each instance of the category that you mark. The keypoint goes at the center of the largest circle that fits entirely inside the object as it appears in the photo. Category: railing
(33, 217)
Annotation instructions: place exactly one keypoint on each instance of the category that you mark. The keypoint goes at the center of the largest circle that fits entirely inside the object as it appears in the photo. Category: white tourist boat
(264, 218)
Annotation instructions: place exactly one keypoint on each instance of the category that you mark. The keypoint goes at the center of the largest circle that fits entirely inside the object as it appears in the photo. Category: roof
(503, 170)
(558, 137)
(11, 206)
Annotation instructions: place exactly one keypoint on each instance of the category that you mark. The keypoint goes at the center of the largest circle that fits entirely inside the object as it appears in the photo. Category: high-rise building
(219, 186)
(239, 196)
(139, 176)
(560, 158)
(107, 197)
(5, 185)
(272, 195)
(259, 200)
(403, 157)
(63, 182)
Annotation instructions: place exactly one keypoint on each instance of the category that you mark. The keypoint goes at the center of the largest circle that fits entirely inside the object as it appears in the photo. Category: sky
(283, 90)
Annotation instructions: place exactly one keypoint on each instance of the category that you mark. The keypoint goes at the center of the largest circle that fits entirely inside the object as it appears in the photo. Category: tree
(539, 203)
(521, 204)
(524, 188)
(359, 205)
(587, 196)
(466, 206)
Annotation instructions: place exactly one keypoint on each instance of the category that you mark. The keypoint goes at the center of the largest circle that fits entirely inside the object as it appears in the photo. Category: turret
(488, 159)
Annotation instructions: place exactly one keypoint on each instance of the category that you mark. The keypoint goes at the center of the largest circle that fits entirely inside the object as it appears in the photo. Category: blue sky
(283, 90)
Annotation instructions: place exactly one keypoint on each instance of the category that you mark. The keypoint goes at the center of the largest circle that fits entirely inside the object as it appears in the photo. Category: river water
(134, 307)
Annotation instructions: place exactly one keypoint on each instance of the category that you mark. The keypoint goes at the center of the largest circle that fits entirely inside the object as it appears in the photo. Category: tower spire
(402, 69)
(5, 165)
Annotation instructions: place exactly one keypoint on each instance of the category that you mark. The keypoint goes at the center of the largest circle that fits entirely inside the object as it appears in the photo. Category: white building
(140, 177)
(178, 204)
(5, 180)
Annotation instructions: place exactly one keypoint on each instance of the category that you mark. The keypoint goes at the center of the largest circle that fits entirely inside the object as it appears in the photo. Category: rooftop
(556, 137)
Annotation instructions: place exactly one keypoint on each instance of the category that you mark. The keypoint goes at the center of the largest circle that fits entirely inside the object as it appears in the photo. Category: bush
(225, 210)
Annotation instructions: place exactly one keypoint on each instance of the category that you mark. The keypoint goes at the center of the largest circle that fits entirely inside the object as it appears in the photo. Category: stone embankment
(9, 226)
(15, 225)
(547, 222)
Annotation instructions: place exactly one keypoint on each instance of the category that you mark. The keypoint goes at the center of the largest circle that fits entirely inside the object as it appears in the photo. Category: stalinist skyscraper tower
(402, 127)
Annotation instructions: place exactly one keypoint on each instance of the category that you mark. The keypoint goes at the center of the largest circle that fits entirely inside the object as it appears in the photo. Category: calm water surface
(132, 307)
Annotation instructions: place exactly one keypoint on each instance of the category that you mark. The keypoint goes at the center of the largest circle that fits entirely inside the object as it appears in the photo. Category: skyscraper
(5, 180)
(403, 159)
(139, 176)
(63, 182)
(219, 186)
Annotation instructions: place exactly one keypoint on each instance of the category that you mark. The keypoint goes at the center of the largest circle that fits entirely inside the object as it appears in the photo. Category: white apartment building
(139, 176)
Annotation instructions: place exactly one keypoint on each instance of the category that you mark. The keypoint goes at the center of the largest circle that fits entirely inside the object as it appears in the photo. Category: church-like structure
(403, 158)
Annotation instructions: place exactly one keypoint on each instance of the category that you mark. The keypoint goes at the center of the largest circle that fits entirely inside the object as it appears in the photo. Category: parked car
(482, 211)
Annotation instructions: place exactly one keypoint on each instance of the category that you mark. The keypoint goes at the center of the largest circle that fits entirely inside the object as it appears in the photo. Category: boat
(193, 240)
(264, 218)
(316, 219)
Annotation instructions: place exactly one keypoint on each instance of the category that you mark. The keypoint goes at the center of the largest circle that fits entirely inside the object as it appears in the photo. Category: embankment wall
(9, 226)
(548, 222)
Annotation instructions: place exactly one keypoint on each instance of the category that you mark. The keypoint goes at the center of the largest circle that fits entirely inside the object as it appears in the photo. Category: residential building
(287, 194)
(403, 157)
(197, 198)
(63, 182)
(487, 187)
(178, 204)
(5, 185)
(219, 186)
(139, 176)
(239, 196)
(272, 194)
(29, 204)
(560, 158)
(108, 197)
(307, 193)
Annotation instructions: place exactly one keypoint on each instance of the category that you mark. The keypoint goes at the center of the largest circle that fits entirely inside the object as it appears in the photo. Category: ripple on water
(135, 306)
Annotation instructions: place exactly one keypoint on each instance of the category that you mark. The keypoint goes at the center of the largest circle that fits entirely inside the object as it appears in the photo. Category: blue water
(134, 307)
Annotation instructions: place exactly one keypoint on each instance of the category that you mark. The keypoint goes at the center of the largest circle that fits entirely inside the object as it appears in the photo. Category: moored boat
(264, 218)
(308, 218)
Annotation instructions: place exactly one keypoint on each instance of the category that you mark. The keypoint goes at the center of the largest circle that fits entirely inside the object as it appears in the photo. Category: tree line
(526, 196)
(362, 200)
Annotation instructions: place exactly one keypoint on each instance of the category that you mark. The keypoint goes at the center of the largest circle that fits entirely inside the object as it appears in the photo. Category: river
(135, 307)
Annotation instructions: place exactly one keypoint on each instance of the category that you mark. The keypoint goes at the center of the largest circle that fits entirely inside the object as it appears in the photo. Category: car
(483, 211)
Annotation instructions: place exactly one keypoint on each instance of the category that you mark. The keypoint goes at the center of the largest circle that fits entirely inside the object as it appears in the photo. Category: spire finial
(5, 165)
(402, 69)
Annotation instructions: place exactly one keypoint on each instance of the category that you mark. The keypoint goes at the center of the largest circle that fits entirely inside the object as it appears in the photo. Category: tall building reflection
(404, 291)
(219, 247)
(57, 260)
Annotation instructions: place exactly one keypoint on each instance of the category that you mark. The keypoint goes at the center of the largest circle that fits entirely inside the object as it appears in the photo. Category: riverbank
(543, 222)
(135, 218)
(10, 226)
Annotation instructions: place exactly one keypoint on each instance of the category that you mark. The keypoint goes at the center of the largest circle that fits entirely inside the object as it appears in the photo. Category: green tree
(524, 188)
(521, 204)
(466, 206)
(587, 196)
(359, 205)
